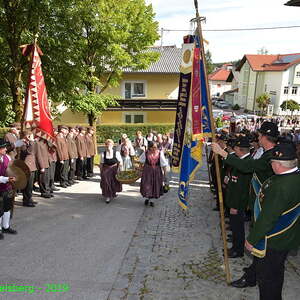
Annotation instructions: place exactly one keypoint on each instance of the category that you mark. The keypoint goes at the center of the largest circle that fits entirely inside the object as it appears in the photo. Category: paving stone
(176, 256)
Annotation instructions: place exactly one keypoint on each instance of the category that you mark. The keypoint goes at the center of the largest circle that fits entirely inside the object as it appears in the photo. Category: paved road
(124, 251)
(74, 238)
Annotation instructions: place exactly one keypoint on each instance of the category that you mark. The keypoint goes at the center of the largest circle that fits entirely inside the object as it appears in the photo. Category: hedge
(114, 131)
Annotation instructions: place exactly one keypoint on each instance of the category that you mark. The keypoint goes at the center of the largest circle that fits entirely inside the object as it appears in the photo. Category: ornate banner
(183, 101)
(37, 115)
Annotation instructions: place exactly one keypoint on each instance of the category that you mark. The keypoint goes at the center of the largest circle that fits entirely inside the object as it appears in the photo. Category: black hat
(269, 128)
(284, 151)
(222, 137)
(231, 142)
(253, 137)
(3, 143)
(242, 142)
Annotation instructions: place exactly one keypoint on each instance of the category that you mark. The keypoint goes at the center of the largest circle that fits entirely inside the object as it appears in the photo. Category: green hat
(284, 151)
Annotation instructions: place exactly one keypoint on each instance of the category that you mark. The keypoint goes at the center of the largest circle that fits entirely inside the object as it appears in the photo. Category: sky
(224, 14)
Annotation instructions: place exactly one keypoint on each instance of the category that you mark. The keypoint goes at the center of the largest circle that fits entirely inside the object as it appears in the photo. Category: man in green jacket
(237, 197)
(277, 224)
(261, 170)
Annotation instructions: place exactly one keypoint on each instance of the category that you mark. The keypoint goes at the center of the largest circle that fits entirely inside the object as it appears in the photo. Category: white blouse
(162, 159)
(110, 154)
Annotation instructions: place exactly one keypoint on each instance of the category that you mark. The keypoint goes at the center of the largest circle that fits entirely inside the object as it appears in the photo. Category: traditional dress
(6, 197)
(110, 161)
(127, 152)
(140, 145)
(152, 177)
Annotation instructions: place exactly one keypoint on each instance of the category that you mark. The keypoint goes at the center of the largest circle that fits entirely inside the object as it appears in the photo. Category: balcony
(145, 104)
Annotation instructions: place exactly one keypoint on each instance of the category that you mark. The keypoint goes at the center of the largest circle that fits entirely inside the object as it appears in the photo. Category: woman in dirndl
(154, 172)
(111, 161)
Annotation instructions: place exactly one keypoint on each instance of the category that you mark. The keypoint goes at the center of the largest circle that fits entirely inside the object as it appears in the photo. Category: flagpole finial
(196, 4)
(36, 38)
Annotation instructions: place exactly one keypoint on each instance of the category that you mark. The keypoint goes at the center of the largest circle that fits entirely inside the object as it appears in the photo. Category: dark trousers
(81, 168)
(63, 172)
(6, 202)
(238, 231)
(52, 168)
(27, 192)
(44, 182)
(270, 274)
(72, 170)
(90, 166)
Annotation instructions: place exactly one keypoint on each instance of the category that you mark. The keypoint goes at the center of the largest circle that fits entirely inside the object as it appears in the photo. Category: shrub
(246, 111)
(114, 131)
(3, 131)
(236, 107)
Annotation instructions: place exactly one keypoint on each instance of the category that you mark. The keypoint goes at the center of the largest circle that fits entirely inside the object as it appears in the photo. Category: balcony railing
(145, 104)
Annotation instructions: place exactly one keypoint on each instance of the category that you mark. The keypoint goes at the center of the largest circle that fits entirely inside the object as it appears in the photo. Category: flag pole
(226, 263)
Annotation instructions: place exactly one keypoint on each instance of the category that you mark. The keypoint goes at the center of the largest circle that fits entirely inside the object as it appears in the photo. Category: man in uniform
(63, 156)
(11, 137)
(91, 151)
(82, 154)
(6, 193)
(42, 159)
(277, 224)
(28, 155)
(73, 154)
(237, 195)
(261, 170)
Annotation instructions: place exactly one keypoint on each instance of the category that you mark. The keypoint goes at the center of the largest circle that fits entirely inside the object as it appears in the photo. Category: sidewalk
(176, 256)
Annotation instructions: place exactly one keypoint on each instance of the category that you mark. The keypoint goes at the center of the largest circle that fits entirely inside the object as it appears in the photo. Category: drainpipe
(255, 90)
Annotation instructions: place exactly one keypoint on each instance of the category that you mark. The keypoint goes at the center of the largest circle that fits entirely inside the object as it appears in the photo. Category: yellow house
(147, 96)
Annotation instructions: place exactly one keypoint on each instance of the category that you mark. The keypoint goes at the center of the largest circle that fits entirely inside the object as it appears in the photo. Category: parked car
(222, 104)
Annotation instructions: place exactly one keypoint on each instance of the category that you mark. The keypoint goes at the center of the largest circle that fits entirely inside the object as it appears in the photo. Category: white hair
(290, 164)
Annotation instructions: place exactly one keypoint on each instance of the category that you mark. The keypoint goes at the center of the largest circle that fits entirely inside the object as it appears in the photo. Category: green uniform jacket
(261, 167)
(237, 192)
(278, 194)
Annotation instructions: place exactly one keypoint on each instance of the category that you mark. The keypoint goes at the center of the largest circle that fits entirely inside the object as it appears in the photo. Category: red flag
(37, 114)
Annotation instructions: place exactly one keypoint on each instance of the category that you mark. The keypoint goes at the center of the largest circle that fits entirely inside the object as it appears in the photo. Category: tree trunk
(92, 122)
(17, 96)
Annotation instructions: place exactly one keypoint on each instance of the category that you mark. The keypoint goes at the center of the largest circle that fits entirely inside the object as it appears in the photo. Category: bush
(114, 132)
(3, 131)
(246, 111)
(236, 107)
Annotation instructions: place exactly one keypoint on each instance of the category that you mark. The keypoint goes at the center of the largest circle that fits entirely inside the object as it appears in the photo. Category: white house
(277, 75)
(219, 80)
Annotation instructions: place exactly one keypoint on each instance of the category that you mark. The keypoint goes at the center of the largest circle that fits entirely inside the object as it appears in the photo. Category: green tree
(263, 51)
(20, 22)
(263, 101)
(107, 37)
(209, 63)
(290, 105)
(87, 45)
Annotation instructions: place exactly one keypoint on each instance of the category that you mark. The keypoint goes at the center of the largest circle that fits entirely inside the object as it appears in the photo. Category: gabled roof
(293, 3)
(168, 62)
(219, 75)
(260, 62)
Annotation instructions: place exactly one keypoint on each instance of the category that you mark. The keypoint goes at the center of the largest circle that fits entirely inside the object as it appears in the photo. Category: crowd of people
(71, 160)
(259, 170)
(151, 152)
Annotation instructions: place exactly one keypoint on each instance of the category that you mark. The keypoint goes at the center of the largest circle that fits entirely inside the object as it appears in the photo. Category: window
(134, 89)
(294, 90)
(298, 74)
(134, 118)
(286, 90)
